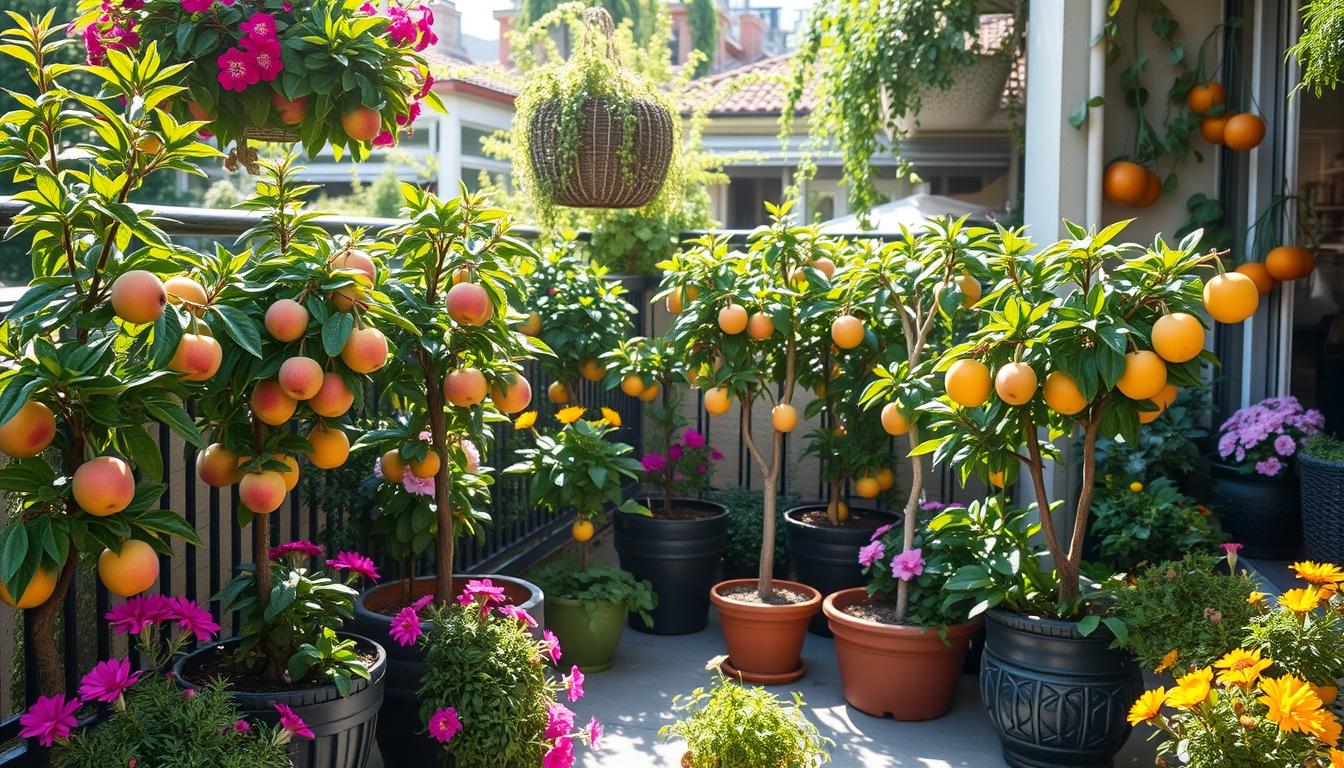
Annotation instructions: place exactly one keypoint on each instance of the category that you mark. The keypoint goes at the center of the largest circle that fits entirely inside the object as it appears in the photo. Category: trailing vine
(1320, 49)
(703, 16)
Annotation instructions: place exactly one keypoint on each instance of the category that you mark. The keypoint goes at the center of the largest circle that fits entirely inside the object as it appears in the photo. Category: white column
(450, 153)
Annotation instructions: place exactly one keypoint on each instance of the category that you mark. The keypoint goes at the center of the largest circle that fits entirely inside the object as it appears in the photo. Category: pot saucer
(763, 679)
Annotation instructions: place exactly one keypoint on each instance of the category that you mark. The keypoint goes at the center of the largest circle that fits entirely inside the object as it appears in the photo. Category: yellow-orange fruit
(262, 492)
(1178, 337)
(784, 417)
(838, 510)
(893, 421)
(867, 487)
(760, 326)
(465, 387)
(292, 111)
(426, 467)
(531, 326)
(469, 304)
(291, 477)
(1205, 96)
(558, 393)
(967, 382)
(270, 404)
(1145, 375)
(28, 432)
(131, 571)
(1124, 182)
(886, 479)
(365, 351)
(1015, 383)
(673, 302)
(592, 370)
(970, 290)
(197, 357)
(344, 299)
(103, 486)
(514, 396)
(362, 124)
(733, 319)
(286, 320)
(1062, 394)
(392, 467)
(650, 393)
(847, 331)
(1289, 262)
(718, 401)
(333, 398)
(1243, 132)
(138, 296)
(581, 530)
(183, 288)
(824, 266)
(357, 260)
(1213, 128)
(39, 588)
(997, 478)
(1230, 297)
(300, 377)
(218, 466)
(1259, 274)
(1152, 190)
(632, 385)
(330, 448)
(1167, 396)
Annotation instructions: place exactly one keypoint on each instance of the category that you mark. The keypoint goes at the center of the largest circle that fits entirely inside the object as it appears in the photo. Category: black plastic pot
(402, 739)
(343, 727)
(680, 557)
(826, 558)
(1056, 698)
(1262, 513)
(1322, 508)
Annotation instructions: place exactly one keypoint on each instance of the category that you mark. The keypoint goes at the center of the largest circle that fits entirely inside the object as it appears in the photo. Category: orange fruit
(847, 331)
(1289, 262)
(1062, 394)
(1124, 182)
(1151, 191)
(760, 326)
(1244, 132)
(558, 392)
(1205, 96)
(886, 479)
(632, 385)
(967, 382)
(1178, 337)
(39, 588)
(970, 290)
(1145, 375)
(427, 467)
(1259, 274)
(733, 319)
(718, 401)
(131, 571)
(784, 417)
(1231, 297)
(893, 421)
(592, 370)
(581, 530)
(867, 487)
(1015, 383)
(824, 266)
(997, 478)
(394, 469)
(650, 393)
(1213, 129)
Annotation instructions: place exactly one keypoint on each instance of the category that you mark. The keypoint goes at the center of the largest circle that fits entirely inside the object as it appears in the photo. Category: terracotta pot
(765, 642)
(908, 673)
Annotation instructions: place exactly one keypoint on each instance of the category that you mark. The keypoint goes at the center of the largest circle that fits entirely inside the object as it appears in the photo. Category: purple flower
(574, 684)
(594, 733)
(716, 455)
(444, 725)
(693, 439)
(192, 618)
(107, 681)
(355, 563)
(50, 718)
(290, 721)
(880, 532)
(674, 453)
(242, 726)
(1269, 467)
(137, 613)
(561, 755)
(405, 627)
(1284, 445)
(871, 553)
(552, 645)
(514, 612)
(305, 548)
(908, 564)
(559, 720)
(654, 462)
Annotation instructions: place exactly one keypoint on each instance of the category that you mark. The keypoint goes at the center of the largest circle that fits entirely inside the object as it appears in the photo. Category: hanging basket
(245, 156)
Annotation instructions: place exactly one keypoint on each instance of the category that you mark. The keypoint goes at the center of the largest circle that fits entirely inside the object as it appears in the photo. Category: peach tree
(94, 350)
(650, 369)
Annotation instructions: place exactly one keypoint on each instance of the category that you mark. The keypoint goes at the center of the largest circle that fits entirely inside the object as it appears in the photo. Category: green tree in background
(640, 14)
(704, 19)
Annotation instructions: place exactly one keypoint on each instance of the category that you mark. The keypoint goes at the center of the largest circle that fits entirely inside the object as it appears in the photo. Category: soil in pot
(588, 635)
(765, 638)
(679, 552)
(1262, 513)
(343, 727)
(891, 669)
(825, 556)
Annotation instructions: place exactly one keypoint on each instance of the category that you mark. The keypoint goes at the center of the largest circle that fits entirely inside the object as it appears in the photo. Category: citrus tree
(94, 350)
(1084, 335)
(650, 369)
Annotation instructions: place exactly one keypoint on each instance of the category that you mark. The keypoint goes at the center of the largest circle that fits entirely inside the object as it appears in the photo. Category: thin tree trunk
(443, 573)
(911, 520)
(50, 670)
(274, 668)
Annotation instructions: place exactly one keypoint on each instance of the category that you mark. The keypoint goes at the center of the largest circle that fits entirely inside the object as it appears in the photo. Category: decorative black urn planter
(343, 727)
(680, 555)
(1262, 513)
(1056, 699)
(826, 557)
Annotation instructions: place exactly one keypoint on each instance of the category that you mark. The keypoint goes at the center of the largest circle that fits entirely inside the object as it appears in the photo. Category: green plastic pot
(588, 635)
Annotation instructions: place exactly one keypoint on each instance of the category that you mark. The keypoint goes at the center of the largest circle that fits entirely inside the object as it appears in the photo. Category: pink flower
(259, 27)
(1269, 467)
(574, 684)
(419, 605)
(190, 693)
(469, 448)
(702, 468)
(196, 6)
(561, 755)
(716, 455)
(355, 563)
(191, 617)
(405, 627)
(693, 439)
(674, 453)
(50, 718)
(654, 462)
(424, 24)
(552, 645)
(514, 612)
(594, 733)
(880, 532)
(559, 720)
(426, 86)
(266, 57)
(908, 564)
(301, 547)
(402, 30)
(290, 721)
(1232, 548)
(385, 139)
(1284, 445)
(237, 70)
(481, 591)
(137, 613)
(444, 725)
(413, 112)
(871, 553)
(242, 726)
(419, 486)
(107, 681)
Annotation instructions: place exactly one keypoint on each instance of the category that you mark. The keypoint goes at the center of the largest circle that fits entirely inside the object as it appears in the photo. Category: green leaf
(240, 328)
(1089, 625)
(336, 331)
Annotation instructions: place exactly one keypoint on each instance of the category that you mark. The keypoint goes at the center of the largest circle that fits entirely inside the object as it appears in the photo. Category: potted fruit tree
(95, 349)
(677, 546)
(1105, 326)
(765, 620)
(312, 71)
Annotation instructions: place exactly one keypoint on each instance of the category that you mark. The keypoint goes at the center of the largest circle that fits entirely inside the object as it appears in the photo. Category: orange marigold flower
(1327, 693)
(1241, 667)
(611, 417)
(1191, 690)
(1257, 599)
(1293, 706)
(1148, 707)
(1336, 758)
(570, 415)
(1327, 729)
(1301, 600)
(525, 420)
(1318, 573)
(1168, 661)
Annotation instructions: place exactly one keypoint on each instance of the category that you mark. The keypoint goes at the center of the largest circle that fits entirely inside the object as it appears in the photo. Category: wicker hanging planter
(623, 148)
(245, 156)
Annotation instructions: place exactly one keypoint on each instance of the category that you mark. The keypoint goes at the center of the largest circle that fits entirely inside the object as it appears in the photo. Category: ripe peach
(197, 357)
(271, 404)
(286, 320)
(131, 571)
(365, 351)
(362, 124)
(333, 398)
(426, 467)
(469, 304)
(300, 377)
(514, 396)
(847, 331)
(760, 326)
(358, 261)
(824, 266)
(392, 466)
(291, 477)
(138, 296)
(103, 486)
(183, 288)
(28, 432)
(464, 387)
(218, 466)
(331, 447)
(262, 492)
(733, 319)
(292, 111)
(39, 588)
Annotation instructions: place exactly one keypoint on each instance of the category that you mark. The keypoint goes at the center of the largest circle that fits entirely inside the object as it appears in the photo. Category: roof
(455, 75)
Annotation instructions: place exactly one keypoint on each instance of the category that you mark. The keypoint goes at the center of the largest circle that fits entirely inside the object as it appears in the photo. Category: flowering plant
(1263, 438)
(152, 721)
(489, 694)
(686, 468)
(339, 72)
(942, 545)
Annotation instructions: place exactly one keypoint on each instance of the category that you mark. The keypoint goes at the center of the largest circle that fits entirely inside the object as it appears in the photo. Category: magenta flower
(674, 453)
(481, 591)
(716, 455)
(594, 733)
(693, 439)
(702, 468)
(242, 726)
(107, 681)
(419, 486)
(908, 564)
(190, 693)
(192, 618)
(514, 612)
(196, 6)
(654, 462)
(880, 532)
(50, 718)
(355, 563)
(552, 645)
(561, 755)
(237, 70)
(290, 721)
(259, 27)
(405, 627)
(426, 86)
(574, 684)
(424, 24)
(385, 139)
(871, 553)
(266, 57)
(301, 547)
(559, 720)
(444, 725)
(137, 613)
(402, 30)
(1232, 548)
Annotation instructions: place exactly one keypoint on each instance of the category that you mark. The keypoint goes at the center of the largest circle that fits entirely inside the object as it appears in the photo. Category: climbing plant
(1320, 49)
(704, 20)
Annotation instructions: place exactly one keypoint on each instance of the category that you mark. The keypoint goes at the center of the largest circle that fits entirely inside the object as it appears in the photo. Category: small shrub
(1165, 448)
(1154, 523)
(1324, 448)
(597, 583)
(744, 527)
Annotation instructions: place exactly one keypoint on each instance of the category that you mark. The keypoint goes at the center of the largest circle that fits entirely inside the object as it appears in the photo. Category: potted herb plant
(1057, 318)
(579, 468)
(744, 726)
(678, 546)
(1321, 469)
(764, 620)
(1252, 490)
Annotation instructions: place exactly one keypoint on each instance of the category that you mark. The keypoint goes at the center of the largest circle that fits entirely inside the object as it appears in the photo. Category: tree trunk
(911, 520)
(443, 493)
(274, 668)
(50, 670)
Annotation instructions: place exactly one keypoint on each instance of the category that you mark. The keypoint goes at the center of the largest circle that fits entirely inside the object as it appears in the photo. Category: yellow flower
(1301, 600)
(1257, 599)
(1148, 707)
(1327, 729)
(525, 420)
(570, 415)
(1136, 487)
(1293, 706)
(1327, 693)
(1168, 661)
(611, 417)
(1318, 573)
(1336, 758)
(1191, 690)
(1241, 668)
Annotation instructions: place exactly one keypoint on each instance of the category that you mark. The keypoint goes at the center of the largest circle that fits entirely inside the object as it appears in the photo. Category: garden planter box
(765, 642)
(343, 727)
(1262, 513)
(1322, 484)
(588, 639)
(826, 557)
(907, 673)
(680, 557)
(1056, 698)
(401, 734)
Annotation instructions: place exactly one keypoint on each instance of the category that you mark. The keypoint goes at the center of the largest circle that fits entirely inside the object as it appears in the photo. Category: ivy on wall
(1320, 49)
